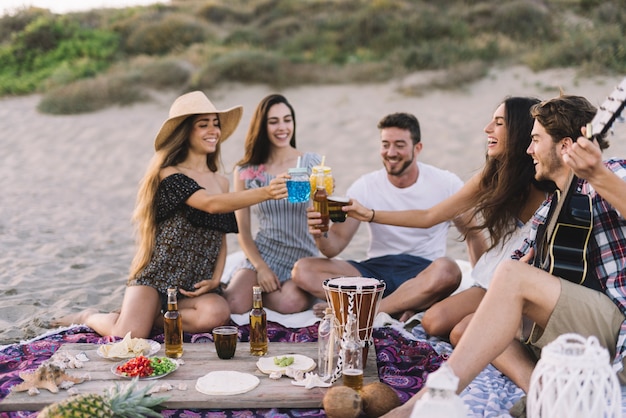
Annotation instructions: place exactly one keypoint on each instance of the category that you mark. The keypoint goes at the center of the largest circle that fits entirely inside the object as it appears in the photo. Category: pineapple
(129, 402)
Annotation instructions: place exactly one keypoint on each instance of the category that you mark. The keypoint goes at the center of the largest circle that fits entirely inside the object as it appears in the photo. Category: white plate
(119, 374)
(154, 348)
(226, 382)
(300, 362)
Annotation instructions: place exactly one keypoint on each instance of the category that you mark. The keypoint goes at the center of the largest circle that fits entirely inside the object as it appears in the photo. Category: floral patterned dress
(188, 240)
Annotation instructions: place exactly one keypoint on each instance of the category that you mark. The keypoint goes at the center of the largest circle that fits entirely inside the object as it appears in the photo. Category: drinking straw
(298, 162)
(323, 159)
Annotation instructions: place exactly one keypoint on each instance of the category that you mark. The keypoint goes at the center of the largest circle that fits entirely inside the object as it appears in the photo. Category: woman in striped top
(282, 237)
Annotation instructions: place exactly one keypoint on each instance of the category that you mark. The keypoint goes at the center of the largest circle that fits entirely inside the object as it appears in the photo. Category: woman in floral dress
(183, 213)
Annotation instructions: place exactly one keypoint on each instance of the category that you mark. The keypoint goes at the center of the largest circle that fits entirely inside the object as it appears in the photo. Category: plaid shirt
(606, 251)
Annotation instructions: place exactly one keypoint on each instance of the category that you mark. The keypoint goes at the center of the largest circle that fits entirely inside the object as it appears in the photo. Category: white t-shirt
(374, 190)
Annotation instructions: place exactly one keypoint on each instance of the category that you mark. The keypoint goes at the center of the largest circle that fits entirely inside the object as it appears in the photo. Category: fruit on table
(126, 402)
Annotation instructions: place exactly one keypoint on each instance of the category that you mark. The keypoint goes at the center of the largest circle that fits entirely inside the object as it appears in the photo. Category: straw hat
(196, 103)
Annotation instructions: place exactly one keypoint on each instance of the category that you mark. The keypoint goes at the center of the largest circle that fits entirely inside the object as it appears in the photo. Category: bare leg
(140, 307)
(203, 313)
(309, 273)
(445, 316)
(73, 318)
(238, 293)
(437, 281)
(288, 299)
(517, 289)
(515, 362)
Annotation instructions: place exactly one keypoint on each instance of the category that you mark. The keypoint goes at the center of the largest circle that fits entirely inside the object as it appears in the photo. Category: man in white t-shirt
(395, 254)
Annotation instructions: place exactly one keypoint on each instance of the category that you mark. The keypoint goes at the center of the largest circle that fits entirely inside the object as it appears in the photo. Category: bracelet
(373, 214)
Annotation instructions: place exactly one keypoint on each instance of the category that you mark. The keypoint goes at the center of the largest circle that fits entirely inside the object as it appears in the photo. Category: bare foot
(73, 318)
(319, 309)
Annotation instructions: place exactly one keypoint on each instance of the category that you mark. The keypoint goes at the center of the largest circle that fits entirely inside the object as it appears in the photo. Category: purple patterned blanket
(402, 363)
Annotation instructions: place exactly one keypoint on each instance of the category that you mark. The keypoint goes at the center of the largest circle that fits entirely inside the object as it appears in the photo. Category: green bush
(162, 36)
(158, 73)
(245, 66)
(11, 24)
(89, 95)
(602, 50)
(289, 42)
(524, 21)
(218, 13)
(50, 46)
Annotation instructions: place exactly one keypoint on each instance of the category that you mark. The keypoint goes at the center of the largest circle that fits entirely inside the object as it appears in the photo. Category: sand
(68, 183)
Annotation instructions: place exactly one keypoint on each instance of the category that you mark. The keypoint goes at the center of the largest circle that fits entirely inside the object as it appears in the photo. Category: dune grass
(85, 61)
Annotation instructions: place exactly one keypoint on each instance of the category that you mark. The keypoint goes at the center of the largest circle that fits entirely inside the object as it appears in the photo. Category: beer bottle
(173, 327)
(320, 202)
(258, 324)
(352, 355)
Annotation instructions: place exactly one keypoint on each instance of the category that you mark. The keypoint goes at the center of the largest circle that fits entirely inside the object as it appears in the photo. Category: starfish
(312, 380)
(46, 376)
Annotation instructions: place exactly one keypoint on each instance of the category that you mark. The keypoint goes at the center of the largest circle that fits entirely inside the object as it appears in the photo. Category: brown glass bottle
(173, 327)
(258, 324)
(320, 202)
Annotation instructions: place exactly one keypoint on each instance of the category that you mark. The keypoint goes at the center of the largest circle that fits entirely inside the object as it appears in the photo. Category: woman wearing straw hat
(282, 236)
(182, 214)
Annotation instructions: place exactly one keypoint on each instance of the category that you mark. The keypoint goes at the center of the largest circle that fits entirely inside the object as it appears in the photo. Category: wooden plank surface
(199, 359)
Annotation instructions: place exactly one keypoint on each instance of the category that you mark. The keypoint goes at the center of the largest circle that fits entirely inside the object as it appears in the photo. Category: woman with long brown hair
(183, 213)
(282, 237)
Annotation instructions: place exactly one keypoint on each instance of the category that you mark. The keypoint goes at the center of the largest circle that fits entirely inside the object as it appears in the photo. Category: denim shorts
(392, 269)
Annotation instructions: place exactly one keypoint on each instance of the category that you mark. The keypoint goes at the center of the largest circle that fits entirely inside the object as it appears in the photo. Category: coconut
(342, 402)
(378, 399)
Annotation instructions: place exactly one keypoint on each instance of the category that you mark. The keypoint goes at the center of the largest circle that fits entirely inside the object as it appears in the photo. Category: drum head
(353, 283)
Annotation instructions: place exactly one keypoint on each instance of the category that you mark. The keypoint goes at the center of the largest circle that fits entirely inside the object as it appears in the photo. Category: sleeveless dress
(283, 234)
(482, 273)
(188, 240)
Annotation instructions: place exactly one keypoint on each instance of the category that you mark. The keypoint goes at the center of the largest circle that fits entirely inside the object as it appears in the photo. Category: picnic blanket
(403, 362)
(404, 359)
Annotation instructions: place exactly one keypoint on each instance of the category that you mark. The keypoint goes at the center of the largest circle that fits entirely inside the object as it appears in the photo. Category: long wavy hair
(174, 151)
(257, 144)
(506, 182)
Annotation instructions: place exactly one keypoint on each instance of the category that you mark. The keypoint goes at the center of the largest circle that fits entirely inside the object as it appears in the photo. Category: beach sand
(68, 183)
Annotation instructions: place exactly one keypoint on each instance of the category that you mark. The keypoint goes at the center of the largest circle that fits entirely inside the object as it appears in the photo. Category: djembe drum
(360, 296)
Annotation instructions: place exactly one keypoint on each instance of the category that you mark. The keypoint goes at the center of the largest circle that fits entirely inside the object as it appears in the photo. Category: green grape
(283, 361)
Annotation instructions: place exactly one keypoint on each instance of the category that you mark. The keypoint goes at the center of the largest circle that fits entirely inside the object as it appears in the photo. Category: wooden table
(199, 359)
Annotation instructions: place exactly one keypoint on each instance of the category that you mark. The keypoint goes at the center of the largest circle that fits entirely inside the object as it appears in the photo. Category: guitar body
(567, 255)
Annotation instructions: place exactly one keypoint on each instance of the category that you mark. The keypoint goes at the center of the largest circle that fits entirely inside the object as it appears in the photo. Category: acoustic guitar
(562, 240)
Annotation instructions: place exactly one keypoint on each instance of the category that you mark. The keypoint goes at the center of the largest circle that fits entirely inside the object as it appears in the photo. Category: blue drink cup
(298, 186)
